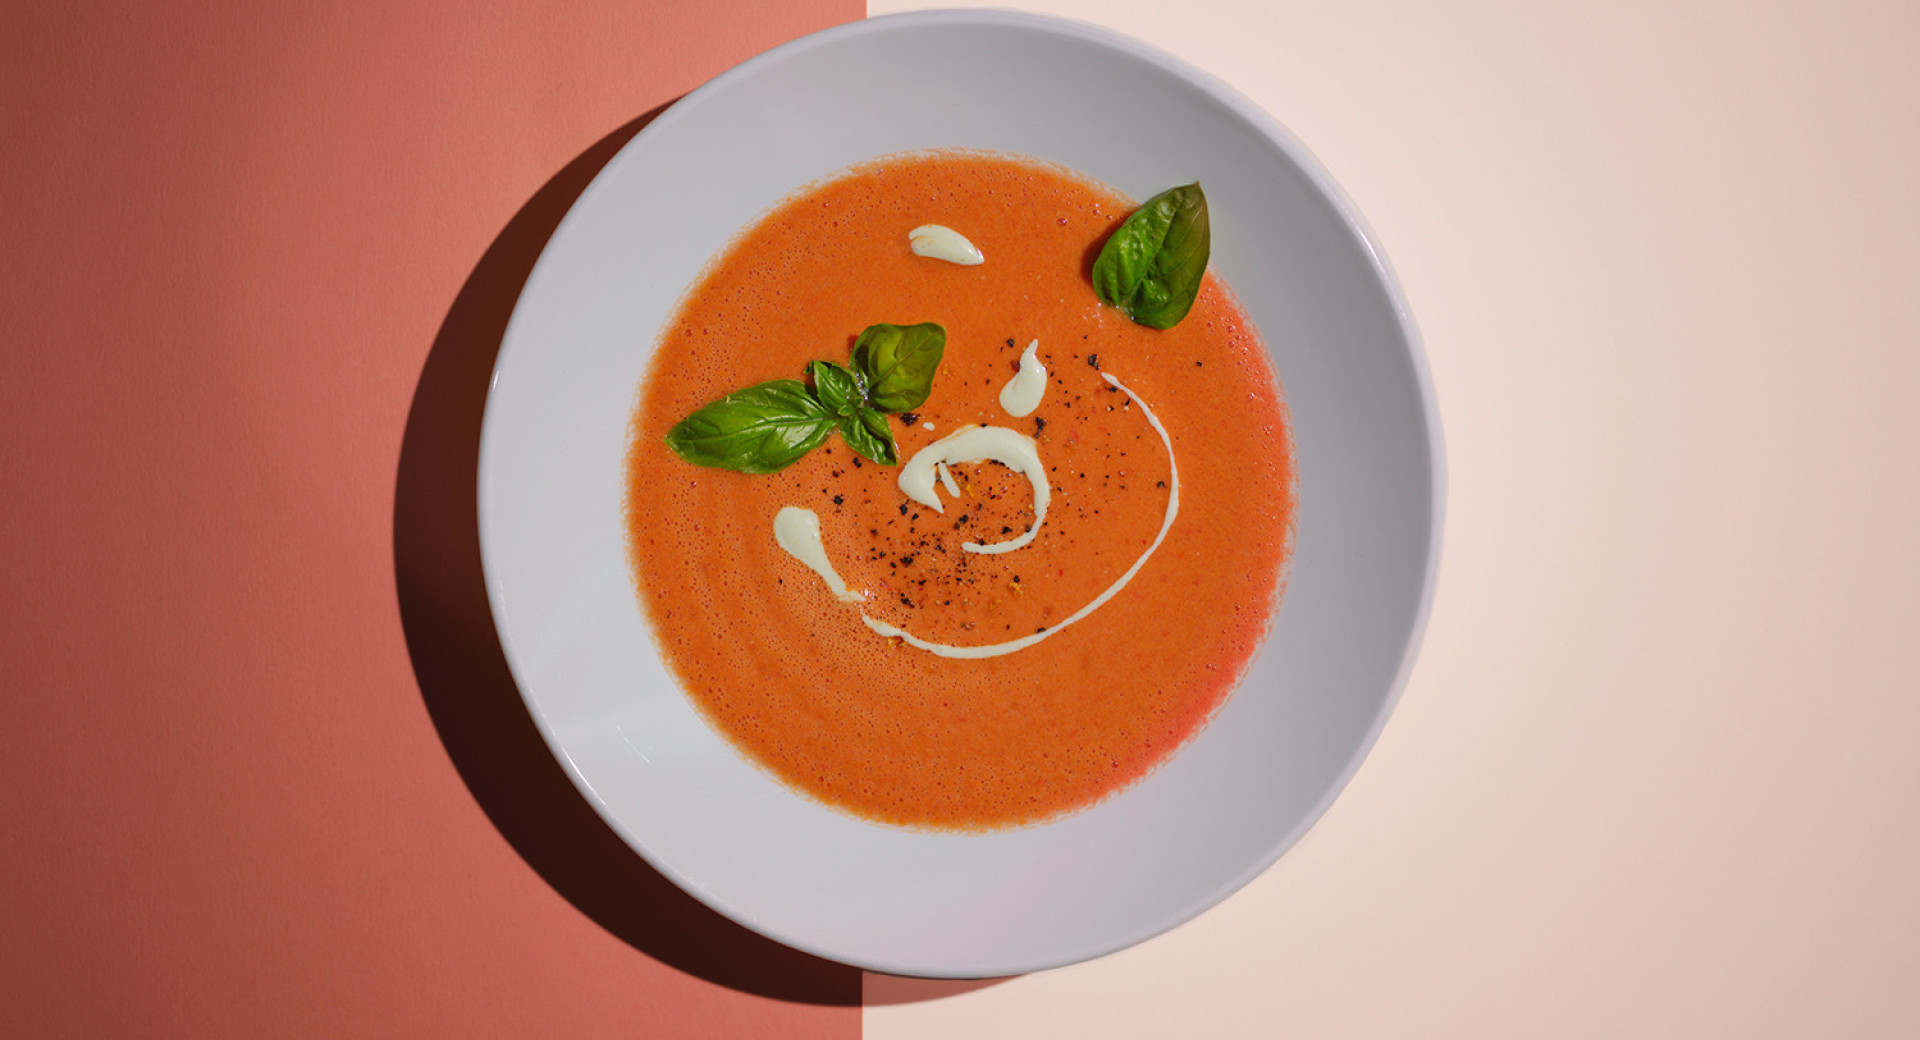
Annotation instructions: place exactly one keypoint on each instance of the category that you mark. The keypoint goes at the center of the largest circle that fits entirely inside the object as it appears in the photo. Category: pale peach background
(1657, 773)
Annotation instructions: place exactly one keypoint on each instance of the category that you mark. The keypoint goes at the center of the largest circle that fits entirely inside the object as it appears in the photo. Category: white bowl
(1204, 823)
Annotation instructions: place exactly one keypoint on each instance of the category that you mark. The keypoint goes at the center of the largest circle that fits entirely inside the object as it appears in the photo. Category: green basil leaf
(866, 432)
(760, 429)
(898, 362)
(1152, 265)
(837, 386)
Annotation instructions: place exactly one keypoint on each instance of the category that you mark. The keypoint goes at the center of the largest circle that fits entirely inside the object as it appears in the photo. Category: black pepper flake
(856, 463)
(909, 417)
(1094, 360)
(1039, 425)
(1009, 342)
(905, 600)
(1159, 483)
(839, 500)
(1196, 364)
(903, 509)
(906, 561)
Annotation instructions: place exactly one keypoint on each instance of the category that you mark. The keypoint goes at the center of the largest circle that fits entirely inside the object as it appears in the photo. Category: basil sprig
(1152, 265)
(769, 426)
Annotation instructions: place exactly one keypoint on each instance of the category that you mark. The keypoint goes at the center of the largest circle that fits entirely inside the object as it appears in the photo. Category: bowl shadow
(462, 671)
(882, 990)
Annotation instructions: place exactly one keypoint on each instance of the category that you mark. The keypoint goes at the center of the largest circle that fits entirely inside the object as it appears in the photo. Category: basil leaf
(837, 386)
(898, 362)
(760, 429)
(867, 433)
(1152, 265)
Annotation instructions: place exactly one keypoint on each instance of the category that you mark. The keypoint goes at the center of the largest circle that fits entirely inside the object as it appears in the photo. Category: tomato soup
(841, 697)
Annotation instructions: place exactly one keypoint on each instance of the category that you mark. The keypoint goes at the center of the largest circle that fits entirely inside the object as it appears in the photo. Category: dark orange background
(263, 777)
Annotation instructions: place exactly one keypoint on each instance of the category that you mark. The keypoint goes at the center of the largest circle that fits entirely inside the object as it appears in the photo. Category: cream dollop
(944, 243)
(1022, 393)
(797, 531)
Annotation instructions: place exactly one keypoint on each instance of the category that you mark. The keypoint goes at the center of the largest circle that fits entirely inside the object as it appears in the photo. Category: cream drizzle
(997, 649)
(1010, 448)
(797, 530)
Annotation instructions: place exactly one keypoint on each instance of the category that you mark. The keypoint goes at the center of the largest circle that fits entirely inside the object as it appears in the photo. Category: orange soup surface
(795, 677)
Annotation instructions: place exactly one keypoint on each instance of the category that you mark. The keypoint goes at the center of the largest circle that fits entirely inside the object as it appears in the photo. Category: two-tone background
(1657, 773)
